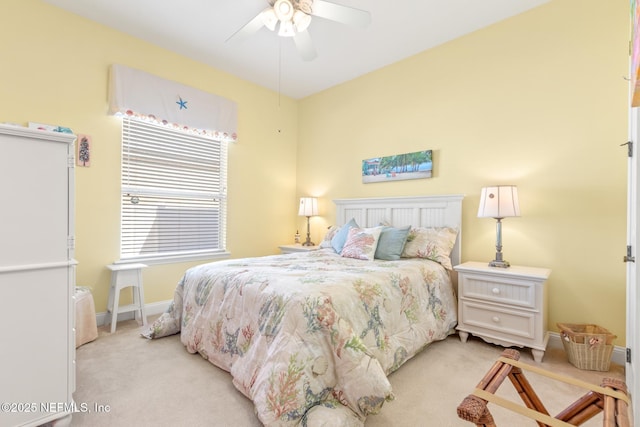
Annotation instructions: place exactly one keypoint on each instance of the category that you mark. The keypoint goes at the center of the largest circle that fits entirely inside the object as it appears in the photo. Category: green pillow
(391, 243)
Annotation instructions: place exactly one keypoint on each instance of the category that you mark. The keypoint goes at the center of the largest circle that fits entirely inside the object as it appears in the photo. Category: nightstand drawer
(502, 320)
(515, 292)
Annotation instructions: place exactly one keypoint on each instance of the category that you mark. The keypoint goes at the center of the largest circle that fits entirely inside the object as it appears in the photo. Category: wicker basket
(587, 346)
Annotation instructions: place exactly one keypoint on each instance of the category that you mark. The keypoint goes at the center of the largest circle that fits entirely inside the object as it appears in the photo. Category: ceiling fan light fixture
(283, 10)
(304, 5)
(270, 19)
(301, 20)
(286, 29)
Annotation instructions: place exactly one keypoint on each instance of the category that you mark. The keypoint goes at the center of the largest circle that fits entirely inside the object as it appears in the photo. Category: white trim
(43, 266)
(168, 259)
(618, 357)
(150, 309)
(49, 136)
(555, 342)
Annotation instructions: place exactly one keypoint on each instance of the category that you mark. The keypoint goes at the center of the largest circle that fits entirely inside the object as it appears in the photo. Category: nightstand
(289, 249)
(504, 306)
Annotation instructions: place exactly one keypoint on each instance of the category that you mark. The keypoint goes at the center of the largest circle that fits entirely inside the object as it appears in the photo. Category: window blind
(173, 193)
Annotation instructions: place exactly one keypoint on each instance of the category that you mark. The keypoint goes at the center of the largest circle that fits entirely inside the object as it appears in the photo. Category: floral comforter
(310, 337)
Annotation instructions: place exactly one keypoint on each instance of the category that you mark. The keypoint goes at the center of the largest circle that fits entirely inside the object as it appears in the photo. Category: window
(173, 201)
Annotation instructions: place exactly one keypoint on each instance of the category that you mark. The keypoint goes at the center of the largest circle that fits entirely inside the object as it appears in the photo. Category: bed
(310, 337)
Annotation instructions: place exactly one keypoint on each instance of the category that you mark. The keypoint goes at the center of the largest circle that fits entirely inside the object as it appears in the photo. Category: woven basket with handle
(587, 346)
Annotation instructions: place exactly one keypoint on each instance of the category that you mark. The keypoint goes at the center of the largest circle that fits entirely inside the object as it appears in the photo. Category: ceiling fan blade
(343, 14)
(248, 29)
(305, 47)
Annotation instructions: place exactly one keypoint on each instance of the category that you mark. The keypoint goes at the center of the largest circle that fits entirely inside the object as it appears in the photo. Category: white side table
(288, 249)
(504, 306)
(125, 276)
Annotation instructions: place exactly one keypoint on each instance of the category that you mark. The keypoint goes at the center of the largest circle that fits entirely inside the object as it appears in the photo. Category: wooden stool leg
(526, 392)
(592, 403)
(582, 410)
(616, 411)
(498, 372)
(610, 397)
(475, 410)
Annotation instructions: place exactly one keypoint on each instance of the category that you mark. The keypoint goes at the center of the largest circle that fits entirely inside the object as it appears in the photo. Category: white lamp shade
(499, 201)
(283, 10)
(308, 206)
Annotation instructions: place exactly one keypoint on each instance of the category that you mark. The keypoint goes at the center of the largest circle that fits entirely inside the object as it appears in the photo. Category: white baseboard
(618, 357)
(150, 310)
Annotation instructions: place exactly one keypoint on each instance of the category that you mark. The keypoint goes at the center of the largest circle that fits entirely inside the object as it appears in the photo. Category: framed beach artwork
(399, 167)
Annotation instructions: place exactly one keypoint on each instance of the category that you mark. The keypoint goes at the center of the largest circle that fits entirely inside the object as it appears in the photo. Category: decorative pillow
(331, 231)
(391, 242)
(337, 242)
(431, 243)
(361, 243)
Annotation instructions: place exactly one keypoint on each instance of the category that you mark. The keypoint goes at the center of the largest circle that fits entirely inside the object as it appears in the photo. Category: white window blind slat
(173, 192)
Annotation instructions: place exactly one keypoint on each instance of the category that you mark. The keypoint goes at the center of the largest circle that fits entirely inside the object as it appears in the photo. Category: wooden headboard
(418, 211)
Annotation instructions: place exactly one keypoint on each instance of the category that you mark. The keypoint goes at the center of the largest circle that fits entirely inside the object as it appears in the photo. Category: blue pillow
(338, 241)
(391, 243)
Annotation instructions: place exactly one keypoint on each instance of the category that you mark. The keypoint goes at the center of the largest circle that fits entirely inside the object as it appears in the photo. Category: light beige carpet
(126, 380)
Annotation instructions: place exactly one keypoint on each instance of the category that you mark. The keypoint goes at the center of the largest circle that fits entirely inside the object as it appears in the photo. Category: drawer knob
(496, 291)
(496, 319)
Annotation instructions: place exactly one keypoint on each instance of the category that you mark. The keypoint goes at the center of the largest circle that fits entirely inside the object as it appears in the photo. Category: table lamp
(308, 208)
(499, 202)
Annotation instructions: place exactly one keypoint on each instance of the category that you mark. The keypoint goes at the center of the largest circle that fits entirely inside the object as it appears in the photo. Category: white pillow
(361, 243)
(434, 243)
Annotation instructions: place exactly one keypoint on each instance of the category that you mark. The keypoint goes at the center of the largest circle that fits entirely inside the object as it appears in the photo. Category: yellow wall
(54, 70)
(538, 101)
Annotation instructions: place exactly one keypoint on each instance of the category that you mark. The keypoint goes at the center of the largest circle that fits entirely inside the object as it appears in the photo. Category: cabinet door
(36, 275)
(34, 356)
(34, 187)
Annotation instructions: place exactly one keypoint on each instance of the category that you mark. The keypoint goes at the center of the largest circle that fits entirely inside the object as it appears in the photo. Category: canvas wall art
(416, 165)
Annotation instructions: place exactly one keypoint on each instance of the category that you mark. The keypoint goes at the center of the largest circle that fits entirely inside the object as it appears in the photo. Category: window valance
(135, 93)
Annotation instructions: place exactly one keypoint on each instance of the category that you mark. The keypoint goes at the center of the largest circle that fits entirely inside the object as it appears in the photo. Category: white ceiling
(198, 29)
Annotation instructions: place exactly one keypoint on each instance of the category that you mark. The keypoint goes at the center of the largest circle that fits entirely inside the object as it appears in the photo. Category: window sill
(170, 259)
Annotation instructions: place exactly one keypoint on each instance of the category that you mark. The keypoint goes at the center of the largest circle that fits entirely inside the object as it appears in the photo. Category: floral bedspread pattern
(310, 337)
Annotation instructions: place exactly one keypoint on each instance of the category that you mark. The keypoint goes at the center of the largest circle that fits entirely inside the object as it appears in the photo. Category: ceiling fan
(294, 17)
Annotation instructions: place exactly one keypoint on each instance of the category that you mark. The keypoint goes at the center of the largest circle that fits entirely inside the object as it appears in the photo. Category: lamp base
(308, 242)
(499, 263)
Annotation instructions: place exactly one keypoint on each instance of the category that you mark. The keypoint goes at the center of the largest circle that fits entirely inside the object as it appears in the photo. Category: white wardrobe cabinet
(37, 276)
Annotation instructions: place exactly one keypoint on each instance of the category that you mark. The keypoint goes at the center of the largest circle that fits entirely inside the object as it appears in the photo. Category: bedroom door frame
(632, 365)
